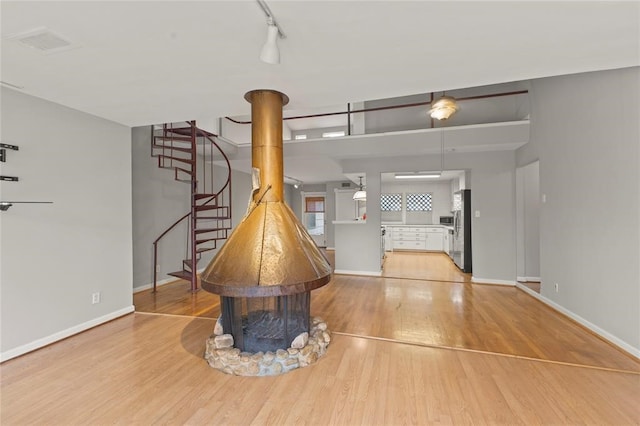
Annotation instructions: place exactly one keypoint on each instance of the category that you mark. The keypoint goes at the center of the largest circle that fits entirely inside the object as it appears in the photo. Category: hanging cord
(441, 150)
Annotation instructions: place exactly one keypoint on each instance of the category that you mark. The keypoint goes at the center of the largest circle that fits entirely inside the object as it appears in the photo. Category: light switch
(544, 198)
(477, 213)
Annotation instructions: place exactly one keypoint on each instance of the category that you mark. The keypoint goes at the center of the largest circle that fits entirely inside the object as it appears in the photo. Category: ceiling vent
(43, 39)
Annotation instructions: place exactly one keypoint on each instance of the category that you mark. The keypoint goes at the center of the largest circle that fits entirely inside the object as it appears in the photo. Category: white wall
(55, 256)
(585, 133)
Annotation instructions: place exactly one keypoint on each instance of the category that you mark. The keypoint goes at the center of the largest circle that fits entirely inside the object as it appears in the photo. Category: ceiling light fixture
(443, 108)
(270, 52)
(336, 134)
(427, 175)
(361, 194)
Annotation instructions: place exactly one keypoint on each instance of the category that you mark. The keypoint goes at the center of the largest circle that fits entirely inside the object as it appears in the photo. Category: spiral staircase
(195, 158)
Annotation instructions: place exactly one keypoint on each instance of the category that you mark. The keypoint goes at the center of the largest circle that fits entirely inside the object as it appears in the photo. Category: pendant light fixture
(443, 108)
(361, 194)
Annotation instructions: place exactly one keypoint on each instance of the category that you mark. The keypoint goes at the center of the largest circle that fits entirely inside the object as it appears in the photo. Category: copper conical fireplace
(266, 270)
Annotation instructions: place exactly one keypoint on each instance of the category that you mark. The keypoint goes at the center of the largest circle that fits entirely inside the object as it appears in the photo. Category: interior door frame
(303, 196)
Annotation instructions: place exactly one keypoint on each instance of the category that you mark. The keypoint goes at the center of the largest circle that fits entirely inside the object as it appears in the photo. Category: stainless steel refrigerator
(462, 230)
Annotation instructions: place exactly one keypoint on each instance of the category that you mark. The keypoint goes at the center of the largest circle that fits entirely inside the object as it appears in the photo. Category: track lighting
(297, 183)
(270, 52)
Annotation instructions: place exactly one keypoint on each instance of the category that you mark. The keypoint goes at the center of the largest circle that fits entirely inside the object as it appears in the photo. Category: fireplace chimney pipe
(266, 141)
(269, 253)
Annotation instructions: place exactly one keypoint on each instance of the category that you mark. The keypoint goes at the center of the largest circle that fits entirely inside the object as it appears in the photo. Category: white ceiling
(148, 62)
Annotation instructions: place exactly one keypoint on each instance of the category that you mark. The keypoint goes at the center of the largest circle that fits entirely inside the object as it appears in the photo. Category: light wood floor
(422, 265)
(148, 369)
(404, 351)
(497, 319)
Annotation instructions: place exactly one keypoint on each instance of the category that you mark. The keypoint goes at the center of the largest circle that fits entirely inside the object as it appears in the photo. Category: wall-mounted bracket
(4, 205)
(3, 150)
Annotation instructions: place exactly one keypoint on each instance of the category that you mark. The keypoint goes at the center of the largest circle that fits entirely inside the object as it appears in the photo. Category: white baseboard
(529, 279)
(491, 281)
(365, 273)
(597, 330)
(160, 283)
(37, 344)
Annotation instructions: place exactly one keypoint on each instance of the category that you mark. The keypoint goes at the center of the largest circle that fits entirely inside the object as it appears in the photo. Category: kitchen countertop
(349, 222)
(430, 225)
(414, 225)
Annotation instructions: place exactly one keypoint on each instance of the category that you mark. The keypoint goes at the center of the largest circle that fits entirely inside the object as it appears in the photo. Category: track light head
(270, 52)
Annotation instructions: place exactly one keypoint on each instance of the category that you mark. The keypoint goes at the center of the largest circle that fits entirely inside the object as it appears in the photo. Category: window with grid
(419, 202)
(391, 202)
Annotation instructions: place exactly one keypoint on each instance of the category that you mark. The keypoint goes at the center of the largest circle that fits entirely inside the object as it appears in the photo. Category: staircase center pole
(194, 191)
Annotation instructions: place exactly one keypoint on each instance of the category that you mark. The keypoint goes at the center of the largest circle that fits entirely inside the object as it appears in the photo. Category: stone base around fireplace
(306, 349)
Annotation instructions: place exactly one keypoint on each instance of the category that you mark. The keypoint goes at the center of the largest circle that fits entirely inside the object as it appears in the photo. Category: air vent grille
(43, 39)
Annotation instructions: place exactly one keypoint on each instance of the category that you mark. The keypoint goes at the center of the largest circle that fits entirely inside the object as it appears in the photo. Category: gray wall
(54, 256)
(158, 201)
(491, 177)
(330, 209)
(528, 221)
(295, 201)
(585, 133)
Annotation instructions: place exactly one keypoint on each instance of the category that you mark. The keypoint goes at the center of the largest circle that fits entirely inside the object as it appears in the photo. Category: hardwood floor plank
(463, 315)
(148, 369)
(456, 314)
(422, 266)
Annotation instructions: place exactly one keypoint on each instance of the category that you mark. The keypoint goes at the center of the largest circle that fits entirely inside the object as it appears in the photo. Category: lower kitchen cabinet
(434, 240)
(423, 238)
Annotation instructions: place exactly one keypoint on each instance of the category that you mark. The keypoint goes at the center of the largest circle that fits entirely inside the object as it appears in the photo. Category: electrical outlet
(95, 298)
(556, 287)
(477, 213)
(158, 268)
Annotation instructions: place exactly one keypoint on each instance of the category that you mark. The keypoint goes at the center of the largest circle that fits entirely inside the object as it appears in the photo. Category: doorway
(313, 216)
(528, 225)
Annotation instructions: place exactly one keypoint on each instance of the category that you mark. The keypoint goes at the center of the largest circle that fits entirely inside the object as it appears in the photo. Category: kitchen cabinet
(423, 238)
(388, 238)
(434, 239)
(445, 240)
